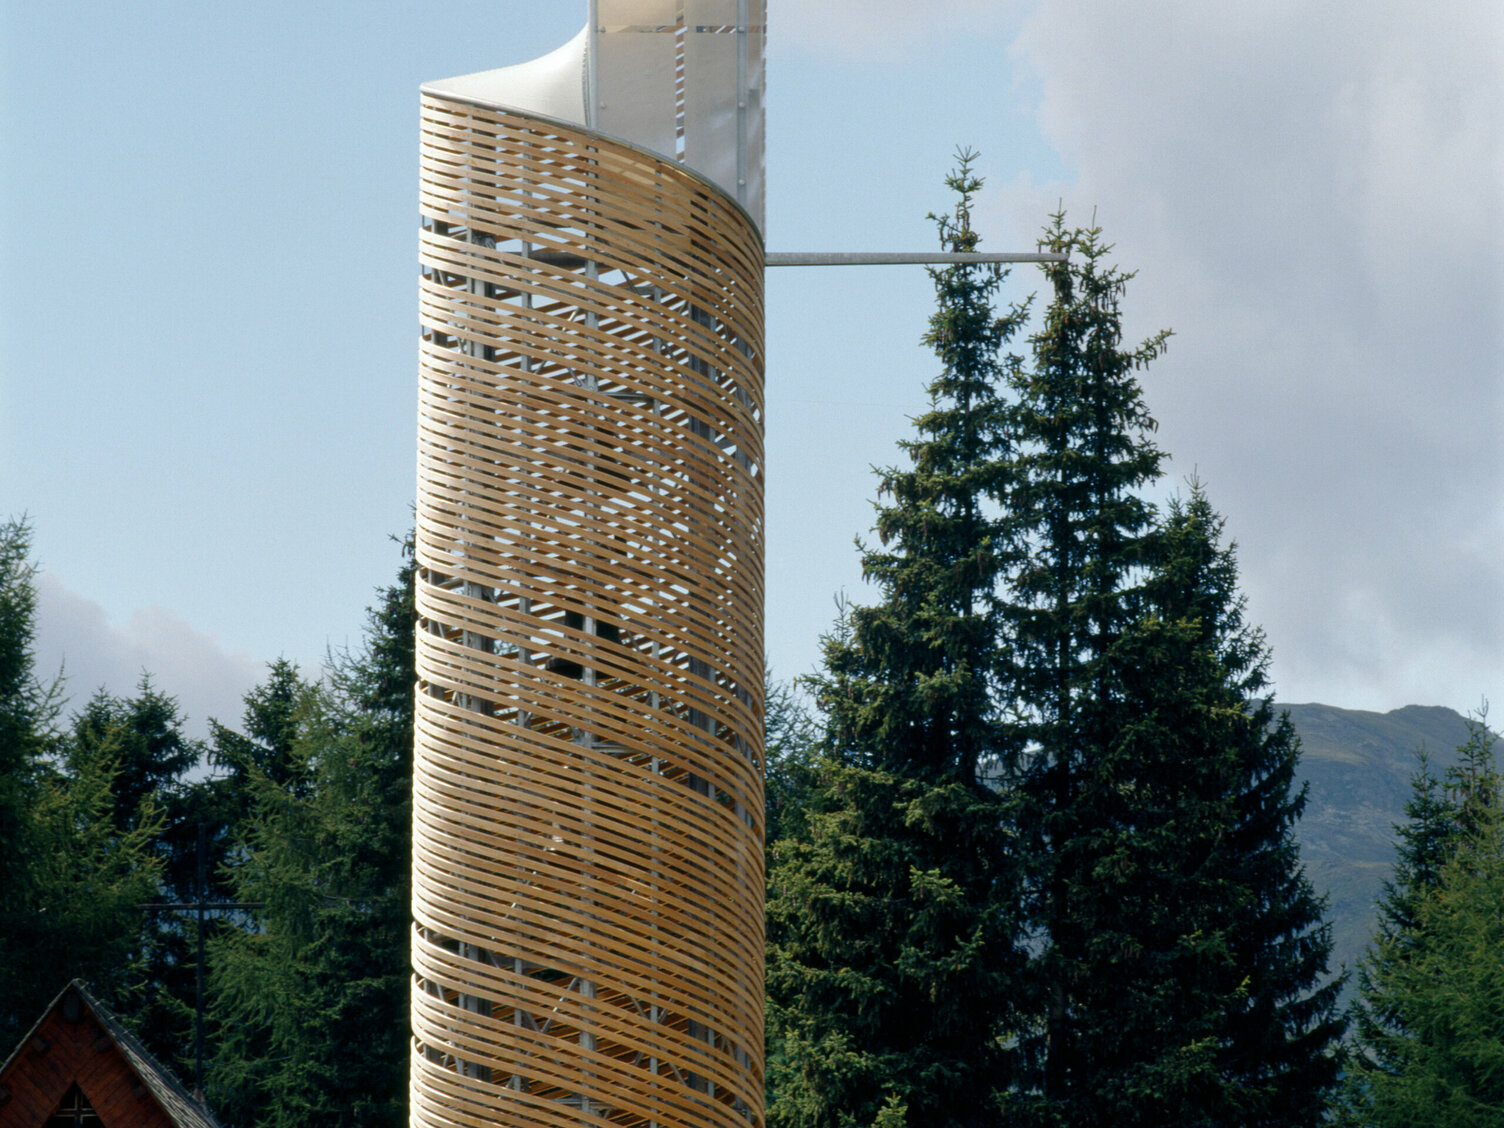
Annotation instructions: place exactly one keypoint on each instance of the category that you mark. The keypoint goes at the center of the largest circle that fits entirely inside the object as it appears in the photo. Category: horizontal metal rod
(905, 258)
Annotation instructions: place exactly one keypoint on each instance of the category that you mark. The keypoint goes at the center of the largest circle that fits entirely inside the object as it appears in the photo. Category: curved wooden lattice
(587, 856)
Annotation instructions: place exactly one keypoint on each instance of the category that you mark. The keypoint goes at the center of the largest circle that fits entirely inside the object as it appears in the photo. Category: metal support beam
(905, 258)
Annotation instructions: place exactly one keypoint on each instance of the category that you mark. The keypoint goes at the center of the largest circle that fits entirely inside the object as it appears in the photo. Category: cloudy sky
(208, 328)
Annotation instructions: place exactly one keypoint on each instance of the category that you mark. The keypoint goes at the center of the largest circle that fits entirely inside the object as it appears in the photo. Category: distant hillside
(1359, 766)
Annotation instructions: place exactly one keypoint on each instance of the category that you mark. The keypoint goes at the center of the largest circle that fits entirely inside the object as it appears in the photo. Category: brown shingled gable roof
(78, 1041)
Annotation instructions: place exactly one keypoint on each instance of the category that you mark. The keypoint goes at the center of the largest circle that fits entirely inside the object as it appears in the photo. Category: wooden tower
(587, 856)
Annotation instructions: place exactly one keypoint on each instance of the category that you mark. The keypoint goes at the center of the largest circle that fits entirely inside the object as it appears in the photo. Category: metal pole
(593, 64)
(198, 988)
(906, 258)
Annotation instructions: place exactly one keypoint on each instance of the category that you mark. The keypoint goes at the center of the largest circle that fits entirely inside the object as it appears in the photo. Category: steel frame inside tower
(588, 867)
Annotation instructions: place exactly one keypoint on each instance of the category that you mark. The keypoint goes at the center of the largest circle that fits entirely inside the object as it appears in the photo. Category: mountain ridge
(1357, 765)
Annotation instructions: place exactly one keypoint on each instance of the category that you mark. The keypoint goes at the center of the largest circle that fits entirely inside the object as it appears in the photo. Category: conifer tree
(1450, 997)
(1179, 948)
(892, 947)
(790, 749)
(145, 735)
(27, 709)
(26, 714)
(265, 749)
(1424, 842)
(72, 879)
(78, 915)
(1218, 807)
(311, 1002)
(1429, 1018)
(1082, 458)
(141, 741)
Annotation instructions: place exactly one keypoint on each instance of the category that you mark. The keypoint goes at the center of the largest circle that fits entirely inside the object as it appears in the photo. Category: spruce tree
(27, 709)
(144, 734)
(1425, 841)
(892, 944)
(72, 878)
(1082, 457)
(1225, 765)
(311, 1001)
(1179, 948)
(26, 714)
(1429, 1017)
(1450, 997)
(265, 747)
(88, 881)
(1042, 625)
(790, 751)
(142, 741)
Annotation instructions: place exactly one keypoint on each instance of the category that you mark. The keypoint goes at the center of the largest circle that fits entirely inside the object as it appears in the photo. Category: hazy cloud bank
(75, 634)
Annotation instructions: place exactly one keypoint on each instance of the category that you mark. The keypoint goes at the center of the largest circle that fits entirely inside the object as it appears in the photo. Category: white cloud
(1313, 194)
(75, 634)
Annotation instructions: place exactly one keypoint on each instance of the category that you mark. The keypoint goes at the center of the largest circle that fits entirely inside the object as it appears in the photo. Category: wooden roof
(77, 1041)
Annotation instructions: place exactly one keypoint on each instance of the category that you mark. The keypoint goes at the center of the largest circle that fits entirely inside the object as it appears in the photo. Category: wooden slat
(587, 881)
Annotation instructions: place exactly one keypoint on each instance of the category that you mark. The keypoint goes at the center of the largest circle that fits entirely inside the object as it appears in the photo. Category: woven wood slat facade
(587, 858)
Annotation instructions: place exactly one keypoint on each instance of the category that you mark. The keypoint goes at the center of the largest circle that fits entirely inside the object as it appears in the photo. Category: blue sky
(208, 329)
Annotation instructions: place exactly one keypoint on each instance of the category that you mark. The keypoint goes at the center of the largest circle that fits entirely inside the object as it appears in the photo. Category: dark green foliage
(1429, 1020)
(71, 878)
(912, 688)
(892, 946)
(1473, 783)
(27, 709)
(26, 713)
(1180, 947)
(790, 743)
(306, 812)
(265, 749)
(144, 736)
(892, 954)
(1041, 625)
(1450, 998)
(1359, 767)
(1193, 994)
(77, 914)
(1231, 764)
(1080, 425)
(310, 1003)
(140, 740)
(1426, 839)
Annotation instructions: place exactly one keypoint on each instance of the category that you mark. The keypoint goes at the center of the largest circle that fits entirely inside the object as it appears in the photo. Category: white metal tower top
(683, 78)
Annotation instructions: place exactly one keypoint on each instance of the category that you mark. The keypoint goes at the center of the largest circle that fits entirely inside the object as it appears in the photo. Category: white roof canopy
(553, 85)
(621, 76)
